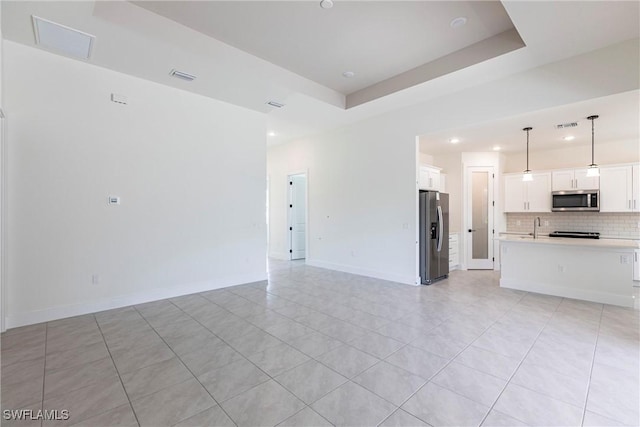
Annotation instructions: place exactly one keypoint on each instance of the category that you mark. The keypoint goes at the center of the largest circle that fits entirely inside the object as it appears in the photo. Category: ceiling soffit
(388, 45)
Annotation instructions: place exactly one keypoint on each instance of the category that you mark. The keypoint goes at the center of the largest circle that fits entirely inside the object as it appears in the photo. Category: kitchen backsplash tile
(615, 225)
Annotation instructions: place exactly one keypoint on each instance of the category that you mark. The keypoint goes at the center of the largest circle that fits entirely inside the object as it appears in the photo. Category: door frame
(469, 264)
(306, 213)
(3, 220)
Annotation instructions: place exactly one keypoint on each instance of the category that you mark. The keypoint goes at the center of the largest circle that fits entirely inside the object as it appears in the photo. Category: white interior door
(479, 218)
(297, 216)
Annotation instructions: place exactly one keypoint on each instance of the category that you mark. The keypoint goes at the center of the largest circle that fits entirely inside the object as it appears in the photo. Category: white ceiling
(374, 39)
(135, 41)
(619, 120)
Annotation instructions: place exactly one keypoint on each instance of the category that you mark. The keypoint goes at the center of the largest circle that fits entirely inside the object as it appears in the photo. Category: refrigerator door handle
(440, 227)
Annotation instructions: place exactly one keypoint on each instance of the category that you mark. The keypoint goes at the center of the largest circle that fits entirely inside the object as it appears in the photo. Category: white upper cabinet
(514, 194)
(616, 193)
(584, 182)
(562, 180)
(574, 179)
(429, 178)
(539, 193)
(532, 196)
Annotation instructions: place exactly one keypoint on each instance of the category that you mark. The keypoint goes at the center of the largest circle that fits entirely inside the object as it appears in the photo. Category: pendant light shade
(593, 170)
(526, 176)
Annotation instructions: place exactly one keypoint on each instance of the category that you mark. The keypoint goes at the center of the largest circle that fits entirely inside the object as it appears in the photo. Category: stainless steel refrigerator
(434, 236)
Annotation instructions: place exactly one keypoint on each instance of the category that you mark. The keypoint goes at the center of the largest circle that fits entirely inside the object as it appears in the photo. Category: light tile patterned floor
(314, 347)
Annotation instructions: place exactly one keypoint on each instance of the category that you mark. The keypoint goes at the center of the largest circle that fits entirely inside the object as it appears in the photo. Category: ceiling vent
(566, 125)
(183, 76)
(60, 38)
(275, 104)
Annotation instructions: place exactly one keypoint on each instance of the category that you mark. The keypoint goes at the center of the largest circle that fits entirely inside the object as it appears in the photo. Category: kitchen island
(599, 270)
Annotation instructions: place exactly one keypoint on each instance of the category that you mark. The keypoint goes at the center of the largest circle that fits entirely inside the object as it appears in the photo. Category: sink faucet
(536, 224)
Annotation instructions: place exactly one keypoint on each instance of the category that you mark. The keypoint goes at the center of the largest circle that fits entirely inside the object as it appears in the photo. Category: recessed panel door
(297, 216)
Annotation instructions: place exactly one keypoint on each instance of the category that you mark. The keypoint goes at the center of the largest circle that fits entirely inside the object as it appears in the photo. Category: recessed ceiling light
(271, 134)
(458, 22)
(569, 138)
(454, 140)
(496, 148)
(348, 74)
(326, 4)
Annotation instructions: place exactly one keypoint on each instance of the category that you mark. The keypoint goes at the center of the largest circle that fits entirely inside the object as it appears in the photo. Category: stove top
(576, 234)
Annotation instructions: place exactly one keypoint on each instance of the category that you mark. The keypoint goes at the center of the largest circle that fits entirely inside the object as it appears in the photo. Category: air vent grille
(182, 75)
(567, 125)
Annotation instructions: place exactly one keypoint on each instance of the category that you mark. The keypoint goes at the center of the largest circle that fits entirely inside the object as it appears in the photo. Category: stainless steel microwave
(575, 200)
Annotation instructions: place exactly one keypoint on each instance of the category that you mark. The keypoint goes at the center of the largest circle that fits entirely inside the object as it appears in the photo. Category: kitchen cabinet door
(514, 194)
(636, 265)
(429, 178)
(573, 179)
(539, 193)
(635, 188)
(562, 180)
(584, 182)
(615, 189)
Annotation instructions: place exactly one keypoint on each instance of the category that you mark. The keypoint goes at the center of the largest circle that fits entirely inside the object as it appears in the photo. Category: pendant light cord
(527, 129)
(593, 157)
(592, 145)
(527, 149)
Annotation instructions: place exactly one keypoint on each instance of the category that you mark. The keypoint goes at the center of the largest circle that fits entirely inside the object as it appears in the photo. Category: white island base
(592, 270)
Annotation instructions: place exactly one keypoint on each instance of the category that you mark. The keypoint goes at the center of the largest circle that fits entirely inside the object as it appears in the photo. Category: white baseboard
(559, 291)
(407, 280)
(61, 312)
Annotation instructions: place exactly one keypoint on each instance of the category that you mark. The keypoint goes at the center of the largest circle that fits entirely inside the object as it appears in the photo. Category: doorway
(297, 222)
(479, 218)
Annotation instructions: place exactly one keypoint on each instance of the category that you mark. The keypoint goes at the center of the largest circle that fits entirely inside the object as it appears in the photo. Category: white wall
(361, 207)
(190, 172)
(575, 156)
(426, 159)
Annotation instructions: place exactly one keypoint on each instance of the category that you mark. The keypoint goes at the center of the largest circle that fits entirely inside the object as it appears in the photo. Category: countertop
(546, 240)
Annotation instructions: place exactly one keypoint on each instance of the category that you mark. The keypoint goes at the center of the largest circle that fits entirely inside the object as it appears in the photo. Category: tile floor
(314, 347)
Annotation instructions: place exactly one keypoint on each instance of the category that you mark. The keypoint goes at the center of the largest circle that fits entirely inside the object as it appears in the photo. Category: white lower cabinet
(454, 258)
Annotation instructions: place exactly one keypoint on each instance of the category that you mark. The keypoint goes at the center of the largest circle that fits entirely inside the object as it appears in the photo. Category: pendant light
(593, 168)
(526, 176)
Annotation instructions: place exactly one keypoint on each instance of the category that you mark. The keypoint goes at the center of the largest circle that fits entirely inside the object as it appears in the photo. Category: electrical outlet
(518, 223)
(546, 223)
(95, 279)
(625, 259)
(561, 268)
